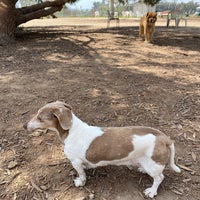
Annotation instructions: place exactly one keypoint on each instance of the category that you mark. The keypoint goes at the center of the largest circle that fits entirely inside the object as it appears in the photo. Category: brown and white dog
(92, 146)
(147, 26)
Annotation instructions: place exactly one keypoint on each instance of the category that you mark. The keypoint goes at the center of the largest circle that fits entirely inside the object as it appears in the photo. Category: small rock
(91, 196)
(187, 180)
(43, 187)
(12, 164)
(36, 133)
(179, 126)
(188, 164)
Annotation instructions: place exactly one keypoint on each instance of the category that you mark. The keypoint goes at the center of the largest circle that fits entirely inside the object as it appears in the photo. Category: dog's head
(151, 17)
(56, 116)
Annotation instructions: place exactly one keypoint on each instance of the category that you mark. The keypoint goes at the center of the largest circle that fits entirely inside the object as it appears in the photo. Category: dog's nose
(25, 125)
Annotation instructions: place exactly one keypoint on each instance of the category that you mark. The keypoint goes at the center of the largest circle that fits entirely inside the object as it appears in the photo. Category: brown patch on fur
(62, 133)
(161, 149)
(147, 26)
(116, 143)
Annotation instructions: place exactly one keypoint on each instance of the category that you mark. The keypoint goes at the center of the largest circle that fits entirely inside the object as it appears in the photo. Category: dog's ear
(64, 116)
(147, 14)
(64, 104)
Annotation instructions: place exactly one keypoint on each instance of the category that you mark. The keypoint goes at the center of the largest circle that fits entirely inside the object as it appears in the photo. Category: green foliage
(123, 1)
(151, 2)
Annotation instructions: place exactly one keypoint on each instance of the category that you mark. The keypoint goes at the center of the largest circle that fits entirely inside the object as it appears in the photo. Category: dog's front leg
(81, 179)
(146, 33)
(141, 31)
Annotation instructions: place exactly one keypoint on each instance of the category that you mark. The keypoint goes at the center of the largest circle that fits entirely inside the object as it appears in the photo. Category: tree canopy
(151, 2)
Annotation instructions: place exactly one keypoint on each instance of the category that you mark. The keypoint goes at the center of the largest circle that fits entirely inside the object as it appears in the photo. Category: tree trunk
(112, 9)
(8, 15)
(11, 17)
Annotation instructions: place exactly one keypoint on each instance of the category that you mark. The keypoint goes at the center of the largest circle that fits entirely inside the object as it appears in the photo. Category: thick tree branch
(45, 4)
(38, 14)
(11, 17)
(40, 10)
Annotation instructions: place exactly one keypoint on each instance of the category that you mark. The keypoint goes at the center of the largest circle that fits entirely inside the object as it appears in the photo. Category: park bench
(177, 16)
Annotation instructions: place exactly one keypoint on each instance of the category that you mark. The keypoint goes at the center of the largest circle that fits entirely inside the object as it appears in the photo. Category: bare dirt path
(110, 78)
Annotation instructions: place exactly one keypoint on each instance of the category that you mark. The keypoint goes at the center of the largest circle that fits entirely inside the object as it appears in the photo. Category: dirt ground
(110, 78)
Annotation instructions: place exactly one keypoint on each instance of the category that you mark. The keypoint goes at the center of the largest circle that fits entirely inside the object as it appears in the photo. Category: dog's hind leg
(152, 191)
(155, 171)
(81, 179)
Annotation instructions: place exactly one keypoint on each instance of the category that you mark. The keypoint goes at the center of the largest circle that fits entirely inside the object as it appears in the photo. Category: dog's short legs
(141, 32)
(152, 191)
(81, 179)
(145, 34)
(147, 37)
(150, 37)
(154, 170)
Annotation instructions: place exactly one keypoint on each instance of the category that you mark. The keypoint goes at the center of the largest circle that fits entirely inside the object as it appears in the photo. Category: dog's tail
(172, 155)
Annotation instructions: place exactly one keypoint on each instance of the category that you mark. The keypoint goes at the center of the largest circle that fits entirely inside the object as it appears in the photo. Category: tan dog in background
(147, 26)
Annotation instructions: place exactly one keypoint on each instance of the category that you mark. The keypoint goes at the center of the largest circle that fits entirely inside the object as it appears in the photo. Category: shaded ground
(110, 78)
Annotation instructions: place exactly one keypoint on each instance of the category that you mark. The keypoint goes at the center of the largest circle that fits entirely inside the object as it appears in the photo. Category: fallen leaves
(177, 191)
(194, 157)
(7, 182)
(35, 186)
(186, 168)
(187, 180)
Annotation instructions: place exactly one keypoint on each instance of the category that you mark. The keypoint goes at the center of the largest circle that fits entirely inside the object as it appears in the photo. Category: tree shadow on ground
(186, 38)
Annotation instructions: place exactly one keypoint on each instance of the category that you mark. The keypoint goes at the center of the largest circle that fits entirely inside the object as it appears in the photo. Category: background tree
(112, 7)
(151, 2)
(96, 5)
(148, 2)
(11, 17)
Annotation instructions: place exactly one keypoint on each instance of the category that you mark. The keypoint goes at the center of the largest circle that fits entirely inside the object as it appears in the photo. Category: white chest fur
(79, 139)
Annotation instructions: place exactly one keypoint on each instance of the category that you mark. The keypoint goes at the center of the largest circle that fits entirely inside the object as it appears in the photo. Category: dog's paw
(150, 192)
(148, 42)
(78, 182)
(140, 39)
